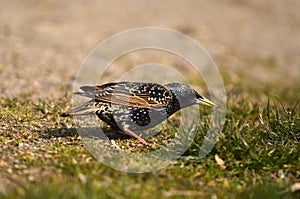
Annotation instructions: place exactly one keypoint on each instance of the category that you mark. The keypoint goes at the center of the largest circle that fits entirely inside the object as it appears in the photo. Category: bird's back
(143, 105)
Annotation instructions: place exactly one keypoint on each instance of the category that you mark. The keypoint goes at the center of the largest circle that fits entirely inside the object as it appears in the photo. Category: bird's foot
(142, 141)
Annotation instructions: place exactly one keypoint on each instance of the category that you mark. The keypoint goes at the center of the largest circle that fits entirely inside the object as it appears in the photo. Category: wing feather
(136, 94)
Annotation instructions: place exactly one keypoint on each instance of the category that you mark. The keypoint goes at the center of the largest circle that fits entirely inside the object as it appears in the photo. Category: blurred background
(254, 43)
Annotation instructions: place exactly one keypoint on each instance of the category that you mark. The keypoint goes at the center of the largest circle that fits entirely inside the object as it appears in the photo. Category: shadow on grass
(88, 132)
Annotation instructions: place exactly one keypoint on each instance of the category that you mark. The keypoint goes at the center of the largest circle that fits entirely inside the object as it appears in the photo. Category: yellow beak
(206, 102)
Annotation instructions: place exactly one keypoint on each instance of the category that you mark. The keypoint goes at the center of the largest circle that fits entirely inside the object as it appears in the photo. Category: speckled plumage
(136, 106)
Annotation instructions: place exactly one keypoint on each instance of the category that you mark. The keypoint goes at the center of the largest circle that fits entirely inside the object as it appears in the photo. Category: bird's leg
(130, 132)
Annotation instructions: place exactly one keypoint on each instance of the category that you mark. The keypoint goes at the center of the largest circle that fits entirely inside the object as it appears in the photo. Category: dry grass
(256, 46)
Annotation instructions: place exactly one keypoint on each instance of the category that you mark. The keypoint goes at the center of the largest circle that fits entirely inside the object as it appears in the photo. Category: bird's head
(187, 96)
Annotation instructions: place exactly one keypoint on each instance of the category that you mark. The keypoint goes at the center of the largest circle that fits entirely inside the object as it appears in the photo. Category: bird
(130, 107)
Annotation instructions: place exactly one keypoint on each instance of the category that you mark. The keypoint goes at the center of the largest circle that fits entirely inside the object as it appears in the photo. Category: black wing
(134, 94)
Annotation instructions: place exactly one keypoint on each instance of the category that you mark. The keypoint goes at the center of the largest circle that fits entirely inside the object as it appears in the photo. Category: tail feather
(86, 109)
(88, 91)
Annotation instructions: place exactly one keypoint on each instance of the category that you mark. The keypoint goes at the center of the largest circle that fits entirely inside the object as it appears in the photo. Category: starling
(130, 107)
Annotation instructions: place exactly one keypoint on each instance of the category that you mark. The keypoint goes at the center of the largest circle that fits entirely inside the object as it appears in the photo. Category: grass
(41, 158)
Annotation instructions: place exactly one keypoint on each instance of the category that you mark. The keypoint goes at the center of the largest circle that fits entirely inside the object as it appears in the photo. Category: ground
(255, 46)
